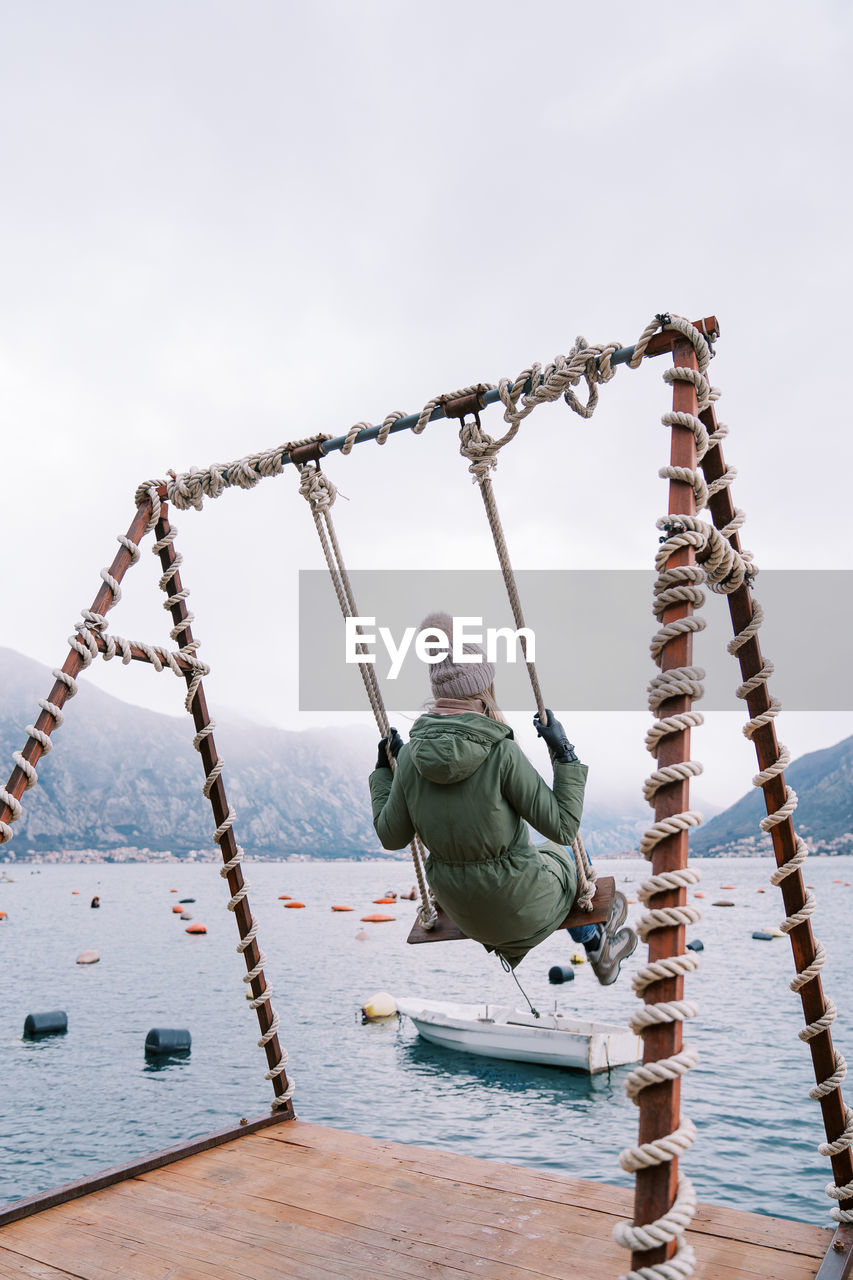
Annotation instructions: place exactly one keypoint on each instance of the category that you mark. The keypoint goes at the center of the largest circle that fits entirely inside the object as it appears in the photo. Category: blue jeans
(584, 932)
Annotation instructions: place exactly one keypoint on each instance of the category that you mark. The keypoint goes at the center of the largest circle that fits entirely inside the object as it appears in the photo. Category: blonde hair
(487, 698)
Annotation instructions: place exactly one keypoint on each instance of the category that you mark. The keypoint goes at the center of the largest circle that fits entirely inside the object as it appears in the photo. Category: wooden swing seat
(445, 930)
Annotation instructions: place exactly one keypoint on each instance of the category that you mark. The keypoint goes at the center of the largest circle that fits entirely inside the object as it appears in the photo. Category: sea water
(86, 1100)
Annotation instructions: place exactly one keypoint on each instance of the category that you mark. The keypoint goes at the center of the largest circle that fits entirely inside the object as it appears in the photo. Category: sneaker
(618, 913)
(613, 948)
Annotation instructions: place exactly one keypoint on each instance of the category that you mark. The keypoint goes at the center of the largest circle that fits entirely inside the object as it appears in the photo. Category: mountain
(122, 777)
(126, 782)
(823, 781)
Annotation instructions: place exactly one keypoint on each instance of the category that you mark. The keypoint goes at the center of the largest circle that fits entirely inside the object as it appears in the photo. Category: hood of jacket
(448, 749)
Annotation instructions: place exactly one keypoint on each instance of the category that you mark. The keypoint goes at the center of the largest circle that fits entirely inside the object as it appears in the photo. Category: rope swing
(692, 554)
(319, 492)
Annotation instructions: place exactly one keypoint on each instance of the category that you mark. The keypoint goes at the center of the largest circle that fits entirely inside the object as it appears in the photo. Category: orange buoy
(698, 894)
(176, 909)
(196, 928)
(340, 908)
(173, 891)
(294, 904)
(632, 902)
(759, 891)
(2, 915)
(377, 918)
(728, 886)
(73, 891)
(284, 897)
(385, 900)
(847, 882)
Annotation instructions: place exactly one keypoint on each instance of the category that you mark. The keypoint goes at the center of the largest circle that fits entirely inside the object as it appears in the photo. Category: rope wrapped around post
(790, 849)
(24, 775)
(319, 492)
(224, 816)
(664, 1199)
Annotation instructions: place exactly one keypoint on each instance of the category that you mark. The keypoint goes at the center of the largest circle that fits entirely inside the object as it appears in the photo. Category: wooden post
(660, 1103)
(74, 663)
(783, 835)
(218, 800)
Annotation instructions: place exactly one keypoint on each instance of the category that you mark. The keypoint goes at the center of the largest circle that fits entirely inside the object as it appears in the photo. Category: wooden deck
(297, 1200)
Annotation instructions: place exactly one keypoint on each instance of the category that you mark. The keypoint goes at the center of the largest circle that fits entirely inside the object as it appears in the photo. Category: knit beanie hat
(451, 679)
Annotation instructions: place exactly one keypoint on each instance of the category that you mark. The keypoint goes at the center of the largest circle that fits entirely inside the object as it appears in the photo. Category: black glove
(562, 751)
(395, 744)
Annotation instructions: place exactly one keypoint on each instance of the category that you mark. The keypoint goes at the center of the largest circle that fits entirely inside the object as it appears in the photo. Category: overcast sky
(227, 225)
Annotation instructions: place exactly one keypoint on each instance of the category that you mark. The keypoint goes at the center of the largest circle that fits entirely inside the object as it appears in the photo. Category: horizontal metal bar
(622, 355)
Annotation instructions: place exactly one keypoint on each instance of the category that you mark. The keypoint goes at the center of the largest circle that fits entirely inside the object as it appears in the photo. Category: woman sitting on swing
(469, 791)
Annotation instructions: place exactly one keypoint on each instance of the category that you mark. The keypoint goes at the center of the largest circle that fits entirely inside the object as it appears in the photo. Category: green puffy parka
(467, 788)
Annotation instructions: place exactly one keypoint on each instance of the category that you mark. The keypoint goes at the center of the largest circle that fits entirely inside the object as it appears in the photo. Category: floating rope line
(319, 492)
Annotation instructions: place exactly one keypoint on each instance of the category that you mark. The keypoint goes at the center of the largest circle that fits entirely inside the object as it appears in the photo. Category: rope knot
(480, 449)
(317, 489)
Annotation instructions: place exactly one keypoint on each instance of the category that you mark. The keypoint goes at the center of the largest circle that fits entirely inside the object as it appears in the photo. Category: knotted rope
(319, 492)
(481, 451)
(83, 643)
(722, 570)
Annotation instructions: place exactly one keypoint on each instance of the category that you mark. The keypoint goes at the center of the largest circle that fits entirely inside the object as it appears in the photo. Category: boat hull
(516, 1035)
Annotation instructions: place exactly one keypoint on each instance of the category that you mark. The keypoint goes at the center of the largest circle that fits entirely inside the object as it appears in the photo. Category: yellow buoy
(381, 1005)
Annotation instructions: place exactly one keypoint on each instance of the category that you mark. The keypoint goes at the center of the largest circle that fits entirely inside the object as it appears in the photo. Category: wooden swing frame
(659, 1104)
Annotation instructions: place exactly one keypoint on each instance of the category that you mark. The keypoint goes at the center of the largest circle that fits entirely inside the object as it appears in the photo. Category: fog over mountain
(124, 778)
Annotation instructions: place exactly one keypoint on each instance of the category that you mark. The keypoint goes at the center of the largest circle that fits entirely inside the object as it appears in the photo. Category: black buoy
(762, 936)
(96, 901)
(186, 899)
(45, 1024)
(696, 945)
(561, 973)
(166, 1040)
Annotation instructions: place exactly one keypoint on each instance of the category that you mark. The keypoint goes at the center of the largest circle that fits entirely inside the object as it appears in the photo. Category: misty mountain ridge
(126, 782)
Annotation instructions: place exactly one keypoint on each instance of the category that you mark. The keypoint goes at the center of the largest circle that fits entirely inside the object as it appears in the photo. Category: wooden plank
(376, 1251)
(530, 1244)
(582, 1227)
(15, 1264)
(131, 1168)
(301, 1201)
(446, 931)
(545, 1184)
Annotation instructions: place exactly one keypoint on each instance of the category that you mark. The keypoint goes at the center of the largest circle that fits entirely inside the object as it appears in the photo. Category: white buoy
(88, 957)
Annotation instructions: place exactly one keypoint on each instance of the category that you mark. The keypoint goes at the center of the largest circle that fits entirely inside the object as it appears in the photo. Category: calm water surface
(77, 1103)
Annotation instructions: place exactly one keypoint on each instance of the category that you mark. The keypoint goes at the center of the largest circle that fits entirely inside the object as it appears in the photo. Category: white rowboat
(498, 1031)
